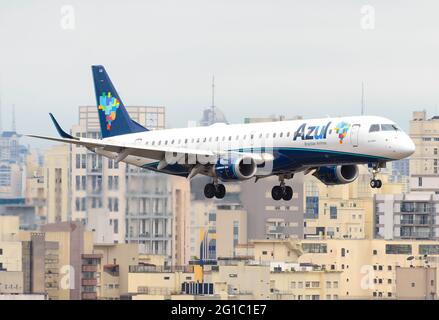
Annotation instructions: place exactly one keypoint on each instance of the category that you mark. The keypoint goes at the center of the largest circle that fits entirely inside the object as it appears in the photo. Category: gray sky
(269, 57)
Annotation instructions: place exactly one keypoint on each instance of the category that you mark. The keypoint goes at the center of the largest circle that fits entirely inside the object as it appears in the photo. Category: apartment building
(343, 211)
(368, 267)
(114, 268)
(216, 228)
(40, 265)
(424, 162)
(98, 183)
(57, 184)
(407, 216)
(11, 275)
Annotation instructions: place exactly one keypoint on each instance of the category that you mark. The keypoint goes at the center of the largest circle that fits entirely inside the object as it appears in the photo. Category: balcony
(89, 296)
(89, 282)
(89, 268)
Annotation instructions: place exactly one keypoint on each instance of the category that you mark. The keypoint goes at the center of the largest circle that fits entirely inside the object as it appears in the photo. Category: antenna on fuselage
(362, 99)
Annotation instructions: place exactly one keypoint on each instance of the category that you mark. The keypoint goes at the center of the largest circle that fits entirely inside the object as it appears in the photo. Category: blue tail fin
(113, 117)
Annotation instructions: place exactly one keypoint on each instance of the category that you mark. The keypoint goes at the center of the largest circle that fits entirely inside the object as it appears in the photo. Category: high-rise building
(41, 270)
(424, 162)
(56, 173)
(407, 216)
(12, 165)
(99, 183)
(343, 211)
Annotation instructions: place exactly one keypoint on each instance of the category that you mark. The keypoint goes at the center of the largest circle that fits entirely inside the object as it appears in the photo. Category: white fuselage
(294, 145)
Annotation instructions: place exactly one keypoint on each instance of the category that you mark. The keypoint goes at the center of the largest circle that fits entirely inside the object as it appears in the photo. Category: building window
(333, 212)
(398, 249)
(420, 181)
(116, 226)
(78, 161)
(314, 248)
(312, 207)
(429, 249)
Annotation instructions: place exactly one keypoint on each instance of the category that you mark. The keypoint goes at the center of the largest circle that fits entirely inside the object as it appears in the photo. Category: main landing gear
(376, 183)
(214, 189)
(282, 191)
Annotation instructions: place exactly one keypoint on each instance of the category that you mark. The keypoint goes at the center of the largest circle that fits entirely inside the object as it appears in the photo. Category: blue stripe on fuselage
(286, 159)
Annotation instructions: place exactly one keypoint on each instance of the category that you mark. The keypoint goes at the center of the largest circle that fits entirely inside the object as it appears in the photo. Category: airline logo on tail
(109, 106)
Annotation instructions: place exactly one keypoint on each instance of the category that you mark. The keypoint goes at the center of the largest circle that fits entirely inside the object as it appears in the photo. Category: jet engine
(334, 175)
(235, 168)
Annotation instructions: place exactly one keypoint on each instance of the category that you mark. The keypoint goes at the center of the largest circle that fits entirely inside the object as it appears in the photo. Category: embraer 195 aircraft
(329, 148)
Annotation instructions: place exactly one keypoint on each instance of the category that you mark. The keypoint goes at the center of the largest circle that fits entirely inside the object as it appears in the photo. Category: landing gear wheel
(376, 183)
(277, 193)
(379, 184)
(209, 190)
(288, 193)
(220, 191)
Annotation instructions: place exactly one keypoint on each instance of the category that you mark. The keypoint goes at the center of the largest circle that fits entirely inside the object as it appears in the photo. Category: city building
(99, 183)
(12, 165)
(368, 267)
(407, 216)
(11, 275)
(57, 184)
(114, 268)
(417, 283)
(343, 211)
(74, 243)
(40, 264)
(424, 162)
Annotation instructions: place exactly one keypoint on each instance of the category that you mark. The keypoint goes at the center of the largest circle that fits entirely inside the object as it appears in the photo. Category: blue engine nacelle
(337, 174)
(235, 168)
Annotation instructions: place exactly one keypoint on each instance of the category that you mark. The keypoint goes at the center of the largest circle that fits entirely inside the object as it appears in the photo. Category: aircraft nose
(406, 147)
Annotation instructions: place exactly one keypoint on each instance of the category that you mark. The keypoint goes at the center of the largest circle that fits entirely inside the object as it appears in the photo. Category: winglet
(61, 132)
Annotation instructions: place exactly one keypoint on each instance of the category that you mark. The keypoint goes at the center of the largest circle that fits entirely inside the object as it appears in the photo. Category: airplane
(331, 149)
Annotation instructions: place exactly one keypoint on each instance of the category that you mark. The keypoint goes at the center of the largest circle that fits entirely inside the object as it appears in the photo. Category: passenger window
(281, 134)
(185, 141)
(166, 142)
(153, 143)
(251, 137)
(224, 138)
(216, 139)
(210, 139)
(288, 134)
(260, 136)
(244, 137)
(237, 137)
(160, 141)
(374, 128)
(274, 135)
(230, 138)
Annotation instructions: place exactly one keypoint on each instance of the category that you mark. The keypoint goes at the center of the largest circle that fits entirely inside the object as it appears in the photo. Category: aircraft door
(355, 130)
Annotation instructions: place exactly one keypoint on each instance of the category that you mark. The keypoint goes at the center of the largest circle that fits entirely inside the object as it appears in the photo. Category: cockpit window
(389, 127)
(374, 128)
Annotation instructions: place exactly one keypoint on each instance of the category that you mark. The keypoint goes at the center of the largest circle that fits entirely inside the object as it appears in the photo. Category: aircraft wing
(127, 149)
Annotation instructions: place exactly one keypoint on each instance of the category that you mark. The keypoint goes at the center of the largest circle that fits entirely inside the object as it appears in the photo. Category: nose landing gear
(376, 183)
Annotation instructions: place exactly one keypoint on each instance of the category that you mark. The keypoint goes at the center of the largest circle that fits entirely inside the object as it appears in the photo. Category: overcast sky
(269, 57)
